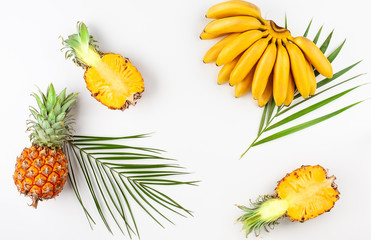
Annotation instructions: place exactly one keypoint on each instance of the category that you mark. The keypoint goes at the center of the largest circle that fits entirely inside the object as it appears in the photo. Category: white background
(198, 122)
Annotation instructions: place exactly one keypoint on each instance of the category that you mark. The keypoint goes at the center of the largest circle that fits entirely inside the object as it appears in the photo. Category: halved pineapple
(111, 78)
(301, 195)
(308, 192)
(114, 81)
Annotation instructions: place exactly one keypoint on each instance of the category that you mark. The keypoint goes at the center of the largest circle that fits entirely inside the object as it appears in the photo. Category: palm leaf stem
(262, 120)
(80, 138)
(259, 135)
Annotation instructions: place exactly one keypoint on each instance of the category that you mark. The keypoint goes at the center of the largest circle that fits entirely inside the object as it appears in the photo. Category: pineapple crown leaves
(81, 47)
(51, 124)
(253, 221)
(123, 179)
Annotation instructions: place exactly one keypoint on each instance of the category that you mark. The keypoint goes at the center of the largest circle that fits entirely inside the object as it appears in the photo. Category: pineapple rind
(40, 173)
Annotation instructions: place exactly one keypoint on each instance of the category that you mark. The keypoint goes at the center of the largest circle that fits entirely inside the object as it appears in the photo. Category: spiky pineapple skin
(40, 172)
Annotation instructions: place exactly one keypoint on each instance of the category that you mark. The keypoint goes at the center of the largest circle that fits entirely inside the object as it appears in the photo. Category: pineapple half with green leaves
(41, 170)
(301, 195)
(110, 78)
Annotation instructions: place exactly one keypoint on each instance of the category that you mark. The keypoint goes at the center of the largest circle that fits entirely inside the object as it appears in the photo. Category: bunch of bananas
(257, 54)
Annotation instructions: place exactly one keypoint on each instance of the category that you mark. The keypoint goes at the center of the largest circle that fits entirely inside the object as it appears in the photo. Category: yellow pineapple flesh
(114, 81)
(308, 191)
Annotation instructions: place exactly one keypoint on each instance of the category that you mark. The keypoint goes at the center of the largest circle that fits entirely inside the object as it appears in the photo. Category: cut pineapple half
(111, 78)
(114, 81)
(301, 195)
(308, 191)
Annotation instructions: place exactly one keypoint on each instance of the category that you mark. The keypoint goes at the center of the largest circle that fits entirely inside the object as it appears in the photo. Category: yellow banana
(225, 72)
(212, 54)
(233, 8)
(233, 24)
(281, 74)
(299, 69)
(244, 86)
(314, 56)
(248, 60)
(312, 79)
(290, 91)
(206, 36)
(238, 45)
(267, 94)
(264, 70)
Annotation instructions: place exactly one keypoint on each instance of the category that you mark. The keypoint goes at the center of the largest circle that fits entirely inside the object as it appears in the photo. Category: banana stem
(262, 20)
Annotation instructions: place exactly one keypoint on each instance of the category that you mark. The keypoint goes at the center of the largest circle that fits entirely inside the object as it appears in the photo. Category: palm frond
(315, 40)
(122, 179)
(271, 112)
(308, 28)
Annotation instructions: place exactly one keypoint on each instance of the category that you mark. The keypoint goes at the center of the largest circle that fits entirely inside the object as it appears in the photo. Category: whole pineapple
(41, 170)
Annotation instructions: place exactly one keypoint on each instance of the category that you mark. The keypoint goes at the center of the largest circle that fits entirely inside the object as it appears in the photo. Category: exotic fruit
(41, 170)
(110, 78)
(257, 54)
(303, 194)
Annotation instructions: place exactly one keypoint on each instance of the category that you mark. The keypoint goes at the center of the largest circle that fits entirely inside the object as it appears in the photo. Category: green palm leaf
(262, 120)
(315, 40)
(317, 94)
(122, 178)
(308, 28)
(310, 109)
(326, 43)
(269, 120)
(303, 125)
